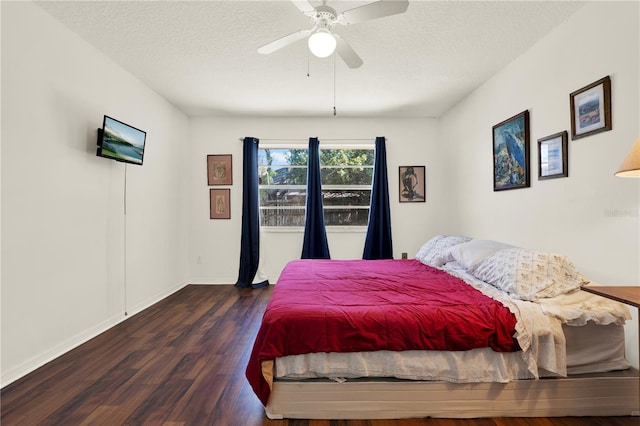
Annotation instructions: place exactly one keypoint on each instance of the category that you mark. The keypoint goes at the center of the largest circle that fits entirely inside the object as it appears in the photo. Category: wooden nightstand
(629, 295)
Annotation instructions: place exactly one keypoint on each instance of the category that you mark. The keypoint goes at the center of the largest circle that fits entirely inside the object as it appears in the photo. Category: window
(346, 172)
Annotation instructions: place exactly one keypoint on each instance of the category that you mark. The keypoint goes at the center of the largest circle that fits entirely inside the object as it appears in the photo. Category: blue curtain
(378, 243)
(250, 238)
(315, 244)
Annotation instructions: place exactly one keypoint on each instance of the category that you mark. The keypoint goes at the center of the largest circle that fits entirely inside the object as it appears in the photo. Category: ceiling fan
(322, 40)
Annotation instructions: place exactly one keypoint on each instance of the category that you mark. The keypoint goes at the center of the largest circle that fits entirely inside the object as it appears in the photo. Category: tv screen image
(121, 142)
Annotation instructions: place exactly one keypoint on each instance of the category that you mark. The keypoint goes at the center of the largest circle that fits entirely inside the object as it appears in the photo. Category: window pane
(346, 217)
(282, 197)
(350, 157)
(283, 175)
(282, 157)
(346, 197)
(282, 217)
(346, 176)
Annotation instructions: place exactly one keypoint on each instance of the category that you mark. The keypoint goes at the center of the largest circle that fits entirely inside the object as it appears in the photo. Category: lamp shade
(630, 167)
(322, 43)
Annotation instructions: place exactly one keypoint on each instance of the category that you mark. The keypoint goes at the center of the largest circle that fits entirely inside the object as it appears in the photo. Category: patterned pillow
(528, 274)
(436, 252)
(428, 246)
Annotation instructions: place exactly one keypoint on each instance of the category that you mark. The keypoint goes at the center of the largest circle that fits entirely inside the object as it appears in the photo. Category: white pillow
(528, 274)
(436, 251)
(470, 253)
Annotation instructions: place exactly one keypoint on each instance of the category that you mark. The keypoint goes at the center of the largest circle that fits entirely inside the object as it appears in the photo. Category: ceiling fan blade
(374, 10)
(346, 52)
(283, 42)
(304, 6)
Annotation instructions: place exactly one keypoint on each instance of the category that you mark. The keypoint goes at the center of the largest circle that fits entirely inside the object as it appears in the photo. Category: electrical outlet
(404, 255)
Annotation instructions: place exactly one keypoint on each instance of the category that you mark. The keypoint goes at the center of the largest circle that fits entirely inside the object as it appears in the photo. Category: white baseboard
(49, 355)
(212, 282)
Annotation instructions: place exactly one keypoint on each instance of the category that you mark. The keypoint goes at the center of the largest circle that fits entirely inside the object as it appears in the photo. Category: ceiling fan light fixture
(322, 43)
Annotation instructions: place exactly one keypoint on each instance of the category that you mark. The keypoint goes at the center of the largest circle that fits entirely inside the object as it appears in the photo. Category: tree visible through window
(346, 173)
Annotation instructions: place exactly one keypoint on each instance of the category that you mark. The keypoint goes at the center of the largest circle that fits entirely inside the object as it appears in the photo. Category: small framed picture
(219, 204)
(219, 170)
(511, 153)
(591, 109)
(412, 184)
(552, 156)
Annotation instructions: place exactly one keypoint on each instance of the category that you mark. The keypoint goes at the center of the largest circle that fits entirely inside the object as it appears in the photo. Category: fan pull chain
(334, 84)
(308, 63)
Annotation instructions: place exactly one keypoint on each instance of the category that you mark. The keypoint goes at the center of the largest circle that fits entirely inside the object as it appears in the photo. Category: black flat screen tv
(121, 142)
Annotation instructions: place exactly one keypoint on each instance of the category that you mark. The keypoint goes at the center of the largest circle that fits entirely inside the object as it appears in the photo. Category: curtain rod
(307, 140)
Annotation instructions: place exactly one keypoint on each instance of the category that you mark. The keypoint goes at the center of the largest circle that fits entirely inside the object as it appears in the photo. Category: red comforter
(371, 305)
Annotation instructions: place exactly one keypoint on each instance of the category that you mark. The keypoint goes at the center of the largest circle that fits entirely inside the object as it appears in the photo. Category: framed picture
(219, 204)
(552, 156)
(591, 109)
(511, 153)
(412, 186)
(219, 170)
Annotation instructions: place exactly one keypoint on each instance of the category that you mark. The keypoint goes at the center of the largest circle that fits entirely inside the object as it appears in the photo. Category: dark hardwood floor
(181, 362)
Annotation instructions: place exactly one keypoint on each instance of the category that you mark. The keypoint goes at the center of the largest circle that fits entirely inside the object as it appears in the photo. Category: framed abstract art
(552, 156)
(511, 153)
(219, 204)
(591, 109)
(219, 170)
(412, 184)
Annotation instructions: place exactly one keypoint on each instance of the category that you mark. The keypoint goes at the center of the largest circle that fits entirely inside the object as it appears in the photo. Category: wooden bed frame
(597, 394)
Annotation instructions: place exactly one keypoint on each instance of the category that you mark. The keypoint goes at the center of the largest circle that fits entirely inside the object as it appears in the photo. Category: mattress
(590, 348)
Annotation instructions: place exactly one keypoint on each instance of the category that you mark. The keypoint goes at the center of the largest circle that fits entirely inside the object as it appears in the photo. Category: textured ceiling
(201, 55)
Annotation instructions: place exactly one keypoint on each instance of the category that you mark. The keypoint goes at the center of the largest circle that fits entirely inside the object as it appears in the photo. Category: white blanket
(540, 336)
(579, 307)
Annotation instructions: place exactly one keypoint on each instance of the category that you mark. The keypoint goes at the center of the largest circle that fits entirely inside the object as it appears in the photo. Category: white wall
(62, 207)
(217, 242)
(591, 216)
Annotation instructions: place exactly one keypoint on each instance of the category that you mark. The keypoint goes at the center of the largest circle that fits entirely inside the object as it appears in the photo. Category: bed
(469, 328)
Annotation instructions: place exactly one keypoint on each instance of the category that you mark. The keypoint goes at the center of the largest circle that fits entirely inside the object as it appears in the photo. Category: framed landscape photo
(219, 170)
(552, 156)
(511, 153)
(412, 184)
(591, 109)
(219, 204)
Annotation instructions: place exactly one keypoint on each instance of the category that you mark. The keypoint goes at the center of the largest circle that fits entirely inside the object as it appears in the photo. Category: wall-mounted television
(121, 142)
